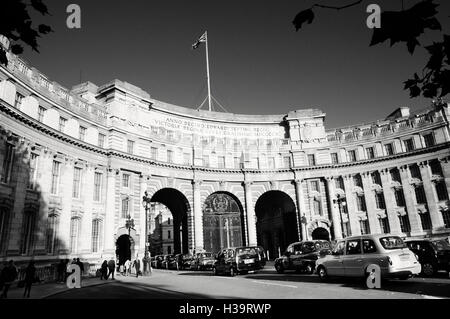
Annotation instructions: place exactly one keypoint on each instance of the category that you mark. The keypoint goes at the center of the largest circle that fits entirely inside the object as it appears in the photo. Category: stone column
(394, 223)
(87, 191)
(301, 209)
(408, 191)
(66, 209)
(142, 215)
(436, 217)
(369, 197)
(110, 213)
(334, 209)
(198, 216)
(351, 205)
(250, 211)
(445, 164)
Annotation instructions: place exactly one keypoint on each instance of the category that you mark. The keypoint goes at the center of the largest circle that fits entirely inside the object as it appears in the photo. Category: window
(221, 161)
(425, 220)
(395, 175)
(357, 181)
(384, 225)
(399, 197)
(186, 159)
(7, 163)
(169, 156)
(130, 147)
(379, 201)
(205, 160)
(82, 133)
(125, 208)
(97, 186)
(409, 145)
(168, 234)
(376, 178)
(101, 140)
(361, 203)
(55, 177)
(27, 233)
(436, 168)
(316, 207)
(441, 191)
(52, 223)
(96, 229)
(34, 161)
(353, 247)
(404, 223)
(370, 152)
(74, 233)
(41, 112)
(339, 182)
(154, 153)
(420, 194)
(415, 171)
(364, 226)
(62, 123)
(315, 186)
(446, 218)
(368, 246)
(126, 180)
(18, 101)
(334, 158)
(237, 162)
(311, 160)
(429, 140)
(287, 161)
(76, 182)
(389, 149)
(271, 162)
(352, 156)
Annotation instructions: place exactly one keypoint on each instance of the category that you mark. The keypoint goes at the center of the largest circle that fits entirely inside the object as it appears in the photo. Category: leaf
(38, 5)
(44, 29)
(409, 83)
(444, 80)
(302, 17)
(430, 90)
(16, 49)
(3, 58)
(411, 44)
(414, 91)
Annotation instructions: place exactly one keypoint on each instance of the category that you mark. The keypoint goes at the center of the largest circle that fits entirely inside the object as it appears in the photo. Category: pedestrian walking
(111, 268)
(9, 274)
(137, 266)
(104, 270)
(30, 275)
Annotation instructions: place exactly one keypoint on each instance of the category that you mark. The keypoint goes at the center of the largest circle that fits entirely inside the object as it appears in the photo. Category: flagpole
(207, 72)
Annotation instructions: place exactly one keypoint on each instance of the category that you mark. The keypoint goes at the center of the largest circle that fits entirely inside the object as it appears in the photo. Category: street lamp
(146, 202)
(340, 200)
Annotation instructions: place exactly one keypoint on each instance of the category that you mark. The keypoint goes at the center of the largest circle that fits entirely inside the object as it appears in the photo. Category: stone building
(161, 242)
(75, 163)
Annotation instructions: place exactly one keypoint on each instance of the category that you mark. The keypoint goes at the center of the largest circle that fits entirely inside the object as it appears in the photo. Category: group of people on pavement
(9, 274)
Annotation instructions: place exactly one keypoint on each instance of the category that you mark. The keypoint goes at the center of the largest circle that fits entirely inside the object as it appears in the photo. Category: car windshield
(392, 242)
(440, 245)
(246, 251)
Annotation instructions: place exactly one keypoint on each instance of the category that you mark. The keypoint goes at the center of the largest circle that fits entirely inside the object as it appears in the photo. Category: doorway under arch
(124, 248)
(276, 222)
(320, 233)
(179, 207)
(223, 222)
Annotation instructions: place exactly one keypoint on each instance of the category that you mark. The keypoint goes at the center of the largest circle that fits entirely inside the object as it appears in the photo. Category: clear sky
(259, 63)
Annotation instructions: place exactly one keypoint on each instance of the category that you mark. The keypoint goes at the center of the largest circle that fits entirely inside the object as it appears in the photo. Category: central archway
(276, 222)
(222, 222)
(124, 248)
(179, 207)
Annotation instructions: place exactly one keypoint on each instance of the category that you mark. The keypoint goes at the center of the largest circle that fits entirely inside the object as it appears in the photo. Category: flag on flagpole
(197, 43)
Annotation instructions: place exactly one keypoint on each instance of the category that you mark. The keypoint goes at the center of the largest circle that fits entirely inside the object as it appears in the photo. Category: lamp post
(340, 200)
(146, 202)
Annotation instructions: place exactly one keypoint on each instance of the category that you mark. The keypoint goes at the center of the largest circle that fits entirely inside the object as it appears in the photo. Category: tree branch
(337, 8)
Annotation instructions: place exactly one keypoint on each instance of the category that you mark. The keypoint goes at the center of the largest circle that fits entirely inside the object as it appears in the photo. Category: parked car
(186, 260)
(158, 261)
(302, 256)
(351, 256)
(237, 260)
(434, 255)
(169, 262)
(202, 261)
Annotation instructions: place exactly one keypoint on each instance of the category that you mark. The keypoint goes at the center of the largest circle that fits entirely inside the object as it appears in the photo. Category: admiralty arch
(77, 163)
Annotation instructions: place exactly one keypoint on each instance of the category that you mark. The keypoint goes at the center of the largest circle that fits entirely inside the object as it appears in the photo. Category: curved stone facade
(76, 164)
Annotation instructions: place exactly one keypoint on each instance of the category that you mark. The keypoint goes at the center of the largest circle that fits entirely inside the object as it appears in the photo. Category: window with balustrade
(446, 218)
(125, 180)
(409, 145)
(339, 183)
(441, 190)
(101, 140)
(96, 232)
(33, 174)
(75, 223)
(169, 156)
(435, 167)
(98, 186)
(384, 225)
(357, 180)
(376, 178)
(153, 153)
(379, 200)
(414, 170)
(360, 203)
(429, 140)
(130, 146)
(311, 160)
(41, 112)
(334, 158)
(352, 156)
(395, 175)
(18, 100)
(317, 207)
(56, 170)
(82, 133)
(287, 161)
(125, 207)
(28, 226)
(76, 185)
(405, 226)
(315, 186)
(364, 226)
(221, 162)
(186, 159)
(420, 194)
(389, 149)
(425, 220)
(370, 152)
(399, 197)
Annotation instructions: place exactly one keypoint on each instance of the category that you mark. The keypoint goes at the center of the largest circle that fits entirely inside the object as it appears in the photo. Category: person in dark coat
(111, 268)
(137, 266)
(30, 275)
(104, 270)
(9, 274)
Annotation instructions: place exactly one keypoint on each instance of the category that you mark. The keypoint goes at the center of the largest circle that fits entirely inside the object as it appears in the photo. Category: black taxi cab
(237, 260)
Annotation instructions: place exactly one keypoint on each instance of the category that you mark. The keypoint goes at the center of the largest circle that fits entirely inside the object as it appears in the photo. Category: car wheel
(427, 269)
(279, 268)
(232, 273)
(322, 272)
